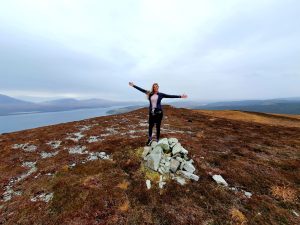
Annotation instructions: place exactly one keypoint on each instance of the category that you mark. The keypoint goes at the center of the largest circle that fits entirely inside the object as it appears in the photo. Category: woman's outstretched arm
(173, 96)
(140, 89)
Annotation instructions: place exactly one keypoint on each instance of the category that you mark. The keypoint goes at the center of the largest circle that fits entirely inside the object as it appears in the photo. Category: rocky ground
(92, 171)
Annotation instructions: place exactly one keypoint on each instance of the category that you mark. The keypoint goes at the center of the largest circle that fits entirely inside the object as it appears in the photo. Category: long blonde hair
(150, 93)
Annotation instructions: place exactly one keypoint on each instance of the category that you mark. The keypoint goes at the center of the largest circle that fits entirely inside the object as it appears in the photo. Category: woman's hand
(131, 84)
(184, 96)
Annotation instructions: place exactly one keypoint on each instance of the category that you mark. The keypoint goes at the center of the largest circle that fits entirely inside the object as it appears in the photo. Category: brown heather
(256, 152)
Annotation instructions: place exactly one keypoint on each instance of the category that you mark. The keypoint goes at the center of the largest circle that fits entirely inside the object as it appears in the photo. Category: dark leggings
(152, 120)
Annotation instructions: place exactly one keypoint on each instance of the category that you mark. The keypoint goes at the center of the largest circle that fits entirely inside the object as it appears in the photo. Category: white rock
(174, 165)
(189, 167)
(161, 184)
(29, 148)
(48, 154)
(148, 184)
(247, 194)
(46, 197)
(182, 165)
(189, 175)
(179, 159)
(97, 155)
(219, 179)
(184, 151)
(179, 180)
(153, 144)
(93, 139)
(147, 150)
(176, 148)
(153, 159)
(77, 150)
(54, 144)
(172, 142)
(295, 213)
(164, 144)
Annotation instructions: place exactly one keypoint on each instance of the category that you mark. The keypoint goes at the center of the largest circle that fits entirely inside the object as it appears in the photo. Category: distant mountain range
(9, 105)
(282, 106)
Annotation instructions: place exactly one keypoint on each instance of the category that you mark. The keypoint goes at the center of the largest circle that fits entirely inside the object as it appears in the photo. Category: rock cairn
(168, 157)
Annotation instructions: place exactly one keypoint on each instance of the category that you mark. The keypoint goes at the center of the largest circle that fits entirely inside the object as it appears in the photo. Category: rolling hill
(54, 175)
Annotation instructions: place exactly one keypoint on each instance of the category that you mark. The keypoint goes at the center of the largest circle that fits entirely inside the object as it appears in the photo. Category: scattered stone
(247, 194)
(148, 184)
(9, 192)
(48, 154)
(295, 213)
(85, 127)
(72, 165)
(78, 150)
(16, 146)
(54, 144)
(219, 179)
(143, 124)
(97, 155)
(77, 137)
(93, 139)
(111, 130)
(161, 182)
(26, 147)
(188, 175)
(45, 197)
(233, 189)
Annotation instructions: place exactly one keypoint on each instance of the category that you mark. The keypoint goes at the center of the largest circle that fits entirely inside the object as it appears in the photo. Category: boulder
(174, 165)
(147, 150)
(164, 144)
(189, 167)
(188, 175)
(176, 149)
(153, 159)
(172, 141)
(219, 179)
(148, 184)
(153, 144)
(184, 151)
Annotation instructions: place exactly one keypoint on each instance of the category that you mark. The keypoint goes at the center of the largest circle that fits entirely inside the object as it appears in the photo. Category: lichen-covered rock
(172, 141)
(153, 144)
(176, 149)
(174, 165)
(153, 159)
(164, 144)
(184, 151)
(168, 157)
(147, 150)
(189, 167)
(148, 184)
(219, 179)
(188, 175)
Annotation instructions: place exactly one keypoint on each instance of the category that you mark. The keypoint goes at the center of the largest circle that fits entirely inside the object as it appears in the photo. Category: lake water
(27, 121)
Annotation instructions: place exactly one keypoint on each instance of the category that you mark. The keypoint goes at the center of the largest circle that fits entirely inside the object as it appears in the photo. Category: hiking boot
(149, 142)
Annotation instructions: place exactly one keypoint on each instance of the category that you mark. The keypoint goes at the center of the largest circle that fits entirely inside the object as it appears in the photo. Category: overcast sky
(209, 50)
